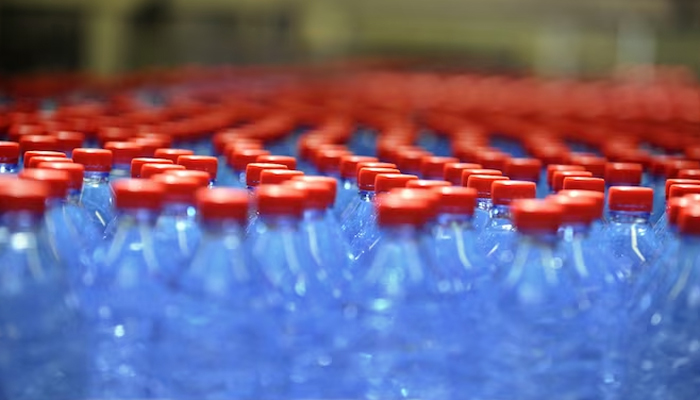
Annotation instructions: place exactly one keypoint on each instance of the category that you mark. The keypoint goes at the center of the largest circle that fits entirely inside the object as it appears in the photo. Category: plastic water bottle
(9, 158)
(668, 238)
(254, 172)
(320, 227)
(45, 344)
(433, 167)
(661, 346)
(122, 155)
(308, 359)
(400, 339)
(176, 232)
(347, 189)
(97, 196)
(239, 160)
(547, 186)
(328, 161)
(67, 224)
(126, 292)
(498, 235)
(138, 163)
(535, 297)
(219, 323)
(208, 164)
(628, 235)
(358, 221)
(482, 184)
(452, 172)
(675, 191)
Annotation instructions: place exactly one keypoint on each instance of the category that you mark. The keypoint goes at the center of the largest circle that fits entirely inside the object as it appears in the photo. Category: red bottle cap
(426, 184)
(348, 165)
(523, 169)
(138, 193)
(456, 200)
(233, 147)
(433, 167)
(240, 158)
(149, 170)
(38, 143)
(367, 176)
(689, 174)
(123, 152)
(531, 215)
(482, 184)
(551, 169)
(57, 181)
(9, 152)
(35, 161)
(222, 203)
(623, 174)
(138, 163)
(559, 176)
(221, 139)
(37, 153)
(172, 154)
(372, 165)
(673, 167)
(429, 196)
(165, 140)
(671, 182)
(630, 198)
(592, 164)
(577, 209)
(318, 195)
(597, 197)
(277, 176)
(279, 200)
(328, 161)
(584, 183)
(331, 183)
(18, 130)
(676, 204)
(492, 159)
(148, 145)
(94, 160)
(452, 172)
(386, 181)
(201, 176)
(114, 134)
(682, 189)
(23, 195)
(75, 171)
(288, 161)
(178, 189)
(467, 173)
(69, 140)
(254, 170)
(503, 192)
(689, 220)
(393, 209)
(207, 164)
(410, 160)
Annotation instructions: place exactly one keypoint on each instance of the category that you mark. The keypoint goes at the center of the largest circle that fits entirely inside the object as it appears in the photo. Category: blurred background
(547, 37)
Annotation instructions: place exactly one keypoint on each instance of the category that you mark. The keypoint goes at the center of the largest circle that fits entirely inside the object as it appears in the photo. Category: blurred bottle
(9, 158)
(96, 197)
(498, 236)
(662, 342)
(45, 353)
(239, 160)
(433, 167)
(217, 334)
(126, 291)
(675, 190)
(525, 169)
(347, 189)
(484, 204)
(404, 346)
(138, 163)
(628, 236)
(208, 164)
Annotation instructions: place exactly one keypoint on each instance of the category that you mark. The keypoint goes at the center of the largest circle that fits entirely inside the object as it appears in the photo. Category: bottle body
(630, 240)
(98, 199)
(359, 225)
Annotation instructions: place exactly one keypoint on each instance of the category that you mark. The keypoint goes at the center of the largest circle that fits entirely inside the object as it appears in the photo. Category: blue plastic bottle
(127, 289)
(220, 329)
(539, 315)
(45, 346)
(176, 232)
(525, 169)
(122, 155)
(663, 361)
(675, 191)
(598, 224)
(358, 221)
(498, 236)
(97, 196)
(482, 184)
(347, 186)
(138, 163)
(308, 357)
(403, 345)
(628, 236)
(9, 157)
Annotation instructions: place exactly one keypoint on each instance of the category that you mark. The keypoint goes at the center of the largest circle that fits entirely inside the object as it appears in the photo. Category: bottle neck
(578, 230)
(135, 216)
(315, 214)
(280, 221)
(222, 227)
(367, 195)
(484, 203)
(95, 178)
(179, 209)
(538, 238)
(500, 212)
(22, 221)
(629, 217)
(73, 196)
(401, 232)
(449, 219)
